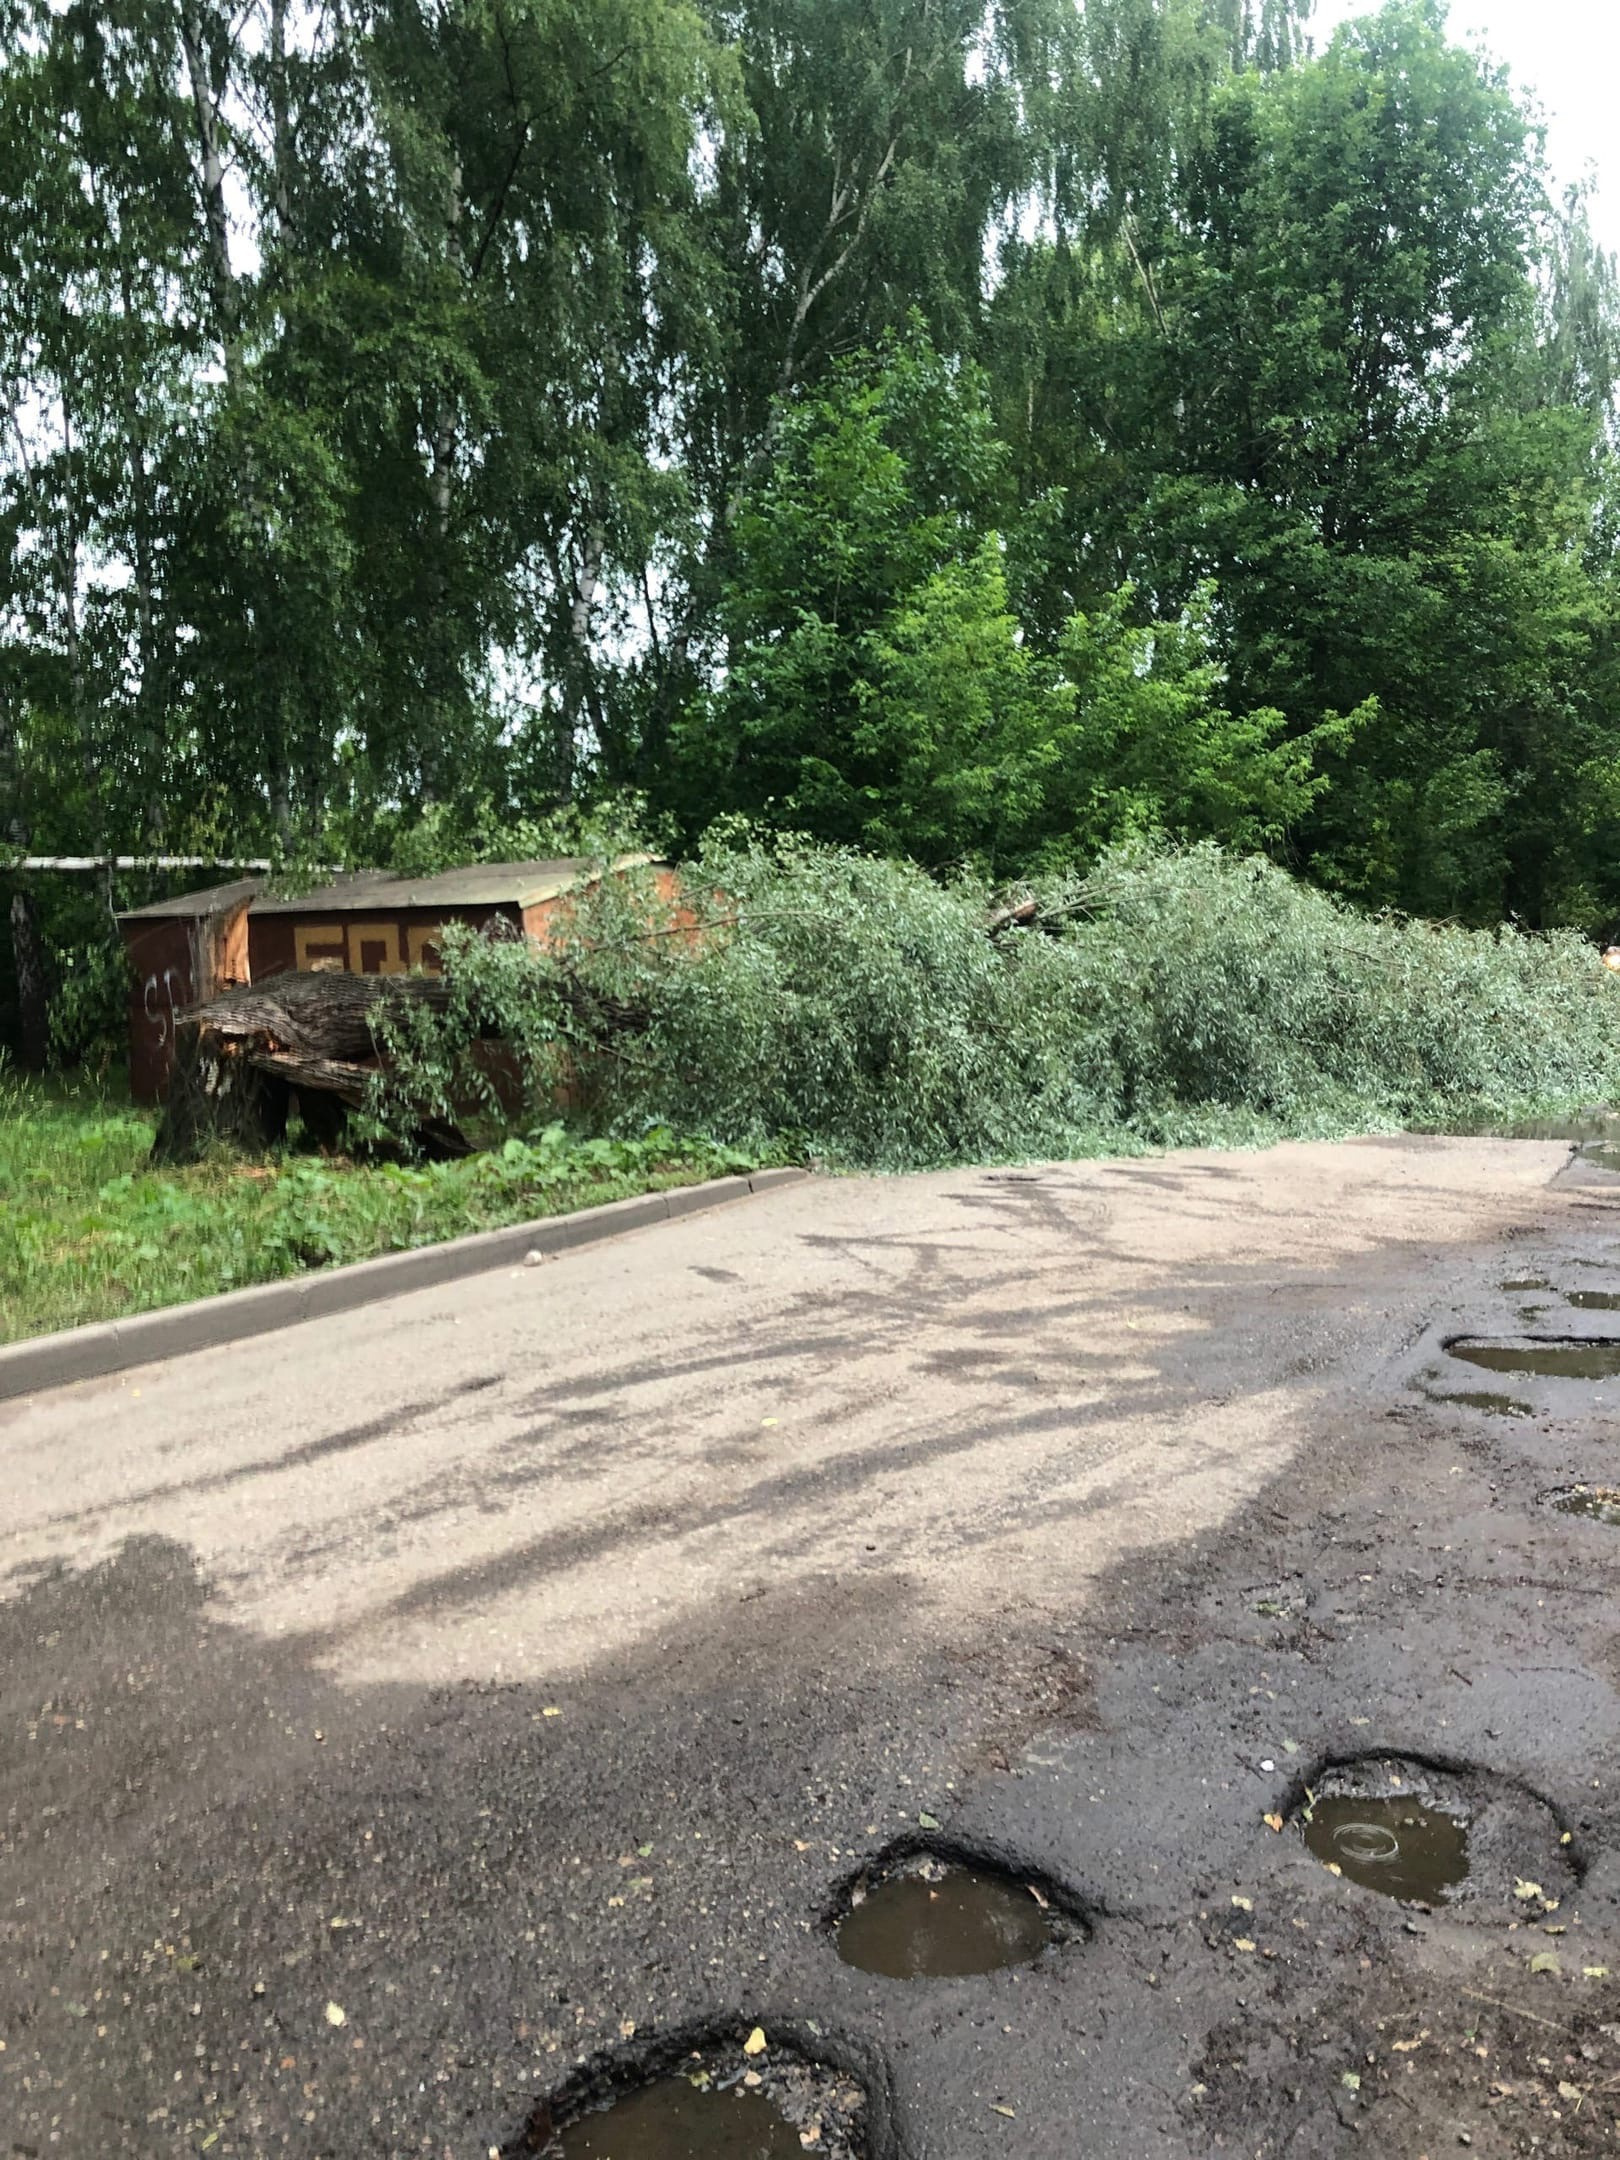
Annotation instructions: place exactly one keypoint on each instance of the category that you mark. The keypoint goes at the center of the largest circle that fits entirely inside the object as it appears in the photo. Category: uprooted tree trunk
(238, 1059)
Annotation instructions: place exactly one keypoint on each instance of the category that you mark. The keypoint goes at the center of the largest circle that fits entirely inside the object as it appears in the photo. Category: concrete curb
(90, 1353)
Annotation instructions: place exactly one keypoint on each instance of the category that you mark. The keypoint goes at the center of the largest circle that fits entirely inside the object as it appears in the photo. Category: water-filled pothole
(1601, 1502)
(1526, 1282)
(1435, 1836)
(927, 1918)
(674, 2120)
(733, 2098)
(1542, 1357)
(1594, 1300)
(1400, 1846)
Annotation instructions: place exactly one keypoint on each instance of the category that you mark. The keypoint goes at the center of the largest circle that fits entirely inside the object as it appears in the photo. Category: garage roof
(518, 884)
(193, 906)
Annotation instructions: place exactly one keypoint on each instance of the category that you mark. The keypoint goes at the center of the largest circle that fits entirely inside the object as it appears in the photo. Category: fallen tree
(239, 1059)
(330, 1038)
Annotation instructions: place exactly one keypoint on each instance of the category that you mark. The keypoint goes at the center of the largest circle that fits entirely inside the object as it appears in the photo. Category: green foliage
(90, 1003)
(1166, 996)
(90, 1230)
(443, 836)
(87, 974)
(980, 432)
(1151, 746)
(1339, 357)
(527, 1028)
(849, 1001)
(496, 1055)
(885, 691)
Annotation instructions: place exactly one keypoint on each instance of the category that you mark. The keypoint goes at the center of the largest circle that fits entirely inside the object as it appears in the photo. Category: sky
(1568, 53)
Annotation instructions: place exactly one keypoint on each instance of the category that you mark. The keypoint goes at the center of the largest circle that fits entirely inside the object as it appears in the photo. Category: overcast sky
(1568, 53)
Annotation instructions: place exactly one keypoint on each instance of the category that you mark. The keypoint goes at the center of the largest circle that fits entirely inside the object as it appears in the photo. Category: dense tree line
(967, 428)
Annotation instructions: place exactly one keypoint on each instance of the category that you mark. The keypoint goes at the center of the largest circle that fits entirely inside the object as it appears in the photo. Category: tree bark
(27, 946)
(218, 1099)
(580, 580)
(152, 691)
(281, 122)
(207, 98)
(73, 644)
(443, 669)
(33, 983)
(237, 1060)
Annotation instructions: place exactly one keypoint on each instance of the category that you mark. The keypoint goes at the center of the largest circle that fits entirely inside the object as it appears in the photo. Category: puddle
(676, 2120)
(1551, 1357)
(1403, 1847)
(1495, 1405)
(1462, 1838)
(937, 1920)
(715, 2101)
(1601, 1502)
(1601, 1158)
(1526, 1282)
(1594, 1300)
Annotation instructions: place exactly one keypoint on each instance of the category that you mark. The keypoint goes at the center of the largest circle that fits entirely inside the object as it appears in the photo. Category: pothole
(1594, 1300)
(926, 1917)
(1402, 1847)
(1542, 1357)
(1526, 1282)
(1438, 1837)
(673, 2120)
(1493, 1405)
(731, 2098)
(1601, 1502)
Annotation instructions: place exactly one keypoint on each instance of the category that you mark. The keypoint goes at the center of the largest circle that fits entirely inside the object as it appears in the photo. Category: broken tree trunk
(1016, 915)
(238, 1059)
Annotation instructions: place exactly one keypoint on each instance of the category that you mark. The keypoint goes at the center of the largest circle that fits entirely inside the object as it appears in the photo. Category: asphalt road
(519, 1671)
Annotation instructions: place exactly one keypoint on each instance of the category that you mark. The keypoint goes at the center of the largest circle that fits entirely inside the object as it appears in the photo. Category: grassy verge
(88, 1231)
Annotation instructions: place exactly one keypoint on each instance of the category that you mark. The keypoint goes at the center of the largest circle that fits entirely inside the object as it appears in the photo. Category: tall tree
(1324, 380)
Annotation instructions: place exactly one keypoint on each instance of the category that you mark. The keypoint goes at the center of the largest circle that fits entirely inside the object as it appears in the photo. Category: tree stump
(218, 1098)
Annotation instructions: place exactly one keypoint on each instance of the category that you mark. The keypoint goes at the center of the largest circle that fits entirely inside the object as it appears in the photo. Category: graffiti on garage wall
(366, 948)
(161, 998)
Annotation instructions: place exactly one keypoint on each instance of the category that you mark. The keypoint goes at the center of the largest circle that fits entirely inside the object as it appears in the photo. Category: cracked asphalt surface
(519, 1670)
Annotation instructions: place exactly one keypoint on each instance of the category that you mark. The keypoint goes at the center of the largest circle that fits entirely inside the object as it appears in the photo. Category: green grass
(90, 1231)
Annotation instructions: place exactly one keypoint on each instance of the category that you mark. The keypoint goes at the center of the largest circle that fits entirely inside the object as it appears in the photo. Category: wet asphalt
(249, 1907)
